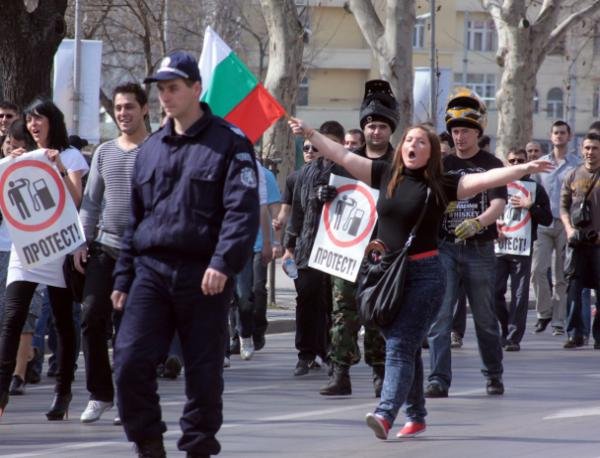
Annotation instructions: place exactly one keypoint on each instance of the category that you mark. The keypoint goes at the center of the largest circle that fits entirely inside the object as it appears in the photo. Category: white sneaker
(246, 348)
(94, 411)
(117, 421)
(226, 362)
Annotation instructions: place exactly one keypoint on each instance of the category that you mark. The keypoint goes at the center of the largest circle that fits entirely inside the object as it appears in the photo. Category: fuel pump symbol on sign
(39, 196)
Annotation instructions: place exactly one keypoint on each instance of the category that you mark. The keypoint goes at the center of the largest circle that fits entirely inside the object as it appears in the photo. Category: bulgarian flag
(232, 92)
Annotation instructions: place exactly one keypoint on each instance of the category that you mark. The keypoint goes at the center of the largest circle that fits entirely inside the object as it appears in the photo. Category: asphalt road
(550, 409)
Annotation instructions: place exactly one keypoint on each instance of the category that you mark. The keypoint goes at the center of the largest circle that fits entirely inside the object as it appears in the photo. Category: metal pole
(432, 69)
(77, 68)
(572, 93)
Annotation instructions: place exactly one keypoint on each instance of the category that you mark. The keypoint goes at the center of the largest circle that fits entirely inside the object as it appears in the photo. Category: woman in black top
(403, 185)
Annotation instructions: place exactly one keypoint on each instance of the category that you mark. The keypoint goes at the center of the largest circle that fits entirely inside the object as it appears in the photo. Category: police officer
(193, 221)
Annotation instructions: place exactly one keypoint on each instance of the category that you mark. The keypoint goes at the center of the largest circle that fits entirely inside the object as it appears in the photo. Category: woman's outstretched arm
(474, 183)
(358, 166)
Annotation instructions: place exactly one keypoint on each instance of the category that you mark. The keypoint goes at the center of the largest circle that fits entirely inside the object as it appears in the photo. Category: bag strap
(592, 184)
(415, 228)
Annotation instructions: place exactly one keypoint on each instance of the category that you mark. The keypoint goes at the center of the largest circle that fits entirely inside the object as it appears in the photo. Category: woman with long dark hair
(403, 186)
(18, 137)
(45, 123)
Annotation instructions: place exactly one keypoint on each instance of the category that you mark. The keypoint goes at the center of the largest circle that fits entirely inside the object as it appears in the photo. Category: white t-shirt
(50, 274)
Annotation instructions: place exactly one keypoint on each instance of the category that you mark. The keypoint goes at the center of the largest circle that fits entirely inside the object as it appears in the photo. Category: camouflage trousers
(345, 324)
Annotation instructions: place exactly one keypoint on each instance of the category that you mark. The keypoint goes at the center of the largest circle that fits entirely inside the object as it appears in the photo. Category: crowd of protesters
(188, 215)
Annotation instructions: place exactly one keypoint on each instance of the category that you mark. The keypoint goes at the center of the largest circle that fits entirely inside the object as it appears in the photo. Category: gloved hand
(326, 193)
(451, 206)
(468, 228)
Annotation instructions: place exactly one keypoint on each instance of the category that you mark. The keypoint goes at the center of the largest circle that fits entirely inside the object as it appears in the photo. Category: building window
(481, 36)
(554, 105)
(419, 34)
(536, 101)
(302, 98)
(484, 84)
(596, 103)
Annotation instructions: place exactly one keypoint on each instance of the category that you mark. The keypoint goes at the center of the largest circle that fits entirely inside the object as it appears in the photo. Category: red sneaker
(379, 425)
(411, 429)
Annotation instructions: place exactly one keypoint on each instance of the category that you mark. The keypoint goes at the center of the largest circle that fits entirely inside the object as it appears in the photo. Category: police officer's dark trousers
(166, 296)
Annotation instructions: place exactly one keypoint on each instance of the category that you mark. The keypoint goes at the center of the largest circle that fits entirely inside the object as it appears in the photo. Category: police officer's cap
(177, 64)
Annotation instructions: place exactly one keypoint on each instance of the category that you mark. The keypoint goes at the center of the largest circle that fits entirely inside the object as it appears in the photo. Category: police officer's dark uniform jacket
(194, 199)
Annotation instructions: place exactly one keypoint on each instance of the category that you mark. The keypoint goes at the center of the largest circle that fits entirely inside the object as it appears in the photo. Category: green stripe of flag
(231, 83)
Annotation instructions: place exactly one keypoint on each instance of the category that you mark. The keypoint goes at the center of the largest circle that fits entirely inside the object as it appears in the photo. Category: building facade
(338, 61)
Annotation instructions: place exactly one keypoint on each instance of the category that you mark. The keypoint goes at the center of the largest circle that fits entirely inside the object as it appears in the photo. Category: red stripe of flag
(256, 113)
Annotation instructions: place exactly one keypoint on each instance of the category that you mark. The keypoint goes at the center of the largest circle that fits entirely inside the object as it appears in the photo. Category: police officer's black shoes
(59, 410)
(151, 448)
(378, 375)
(339, 383)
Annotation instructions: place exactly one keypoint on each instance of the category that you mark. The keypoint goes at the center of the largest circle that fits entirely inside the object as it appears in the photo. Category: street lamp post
(432, 68)
(77, 68)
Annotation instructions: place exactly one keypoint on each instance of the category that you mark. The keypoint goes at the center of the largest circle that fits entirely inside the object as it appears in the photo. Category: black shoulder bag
(381, 281)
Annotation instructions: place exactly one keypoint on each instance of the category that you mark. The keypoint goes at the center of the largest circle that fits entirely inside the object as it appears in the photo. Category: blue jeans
(403, 381)
(245, 300)
(474, 264)
(586, 310)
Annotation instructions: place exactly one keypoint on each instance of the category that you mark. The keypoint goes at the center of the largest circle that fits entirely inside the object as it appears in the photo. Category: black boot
(59, 410)
(378, 375)
(151, 448)
(339, 383)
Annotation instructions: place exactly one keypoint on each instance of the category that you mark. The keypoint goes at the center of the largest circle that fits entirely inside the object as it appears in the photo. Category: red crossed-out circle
(363, 234)
(61, 195)
(524, 221)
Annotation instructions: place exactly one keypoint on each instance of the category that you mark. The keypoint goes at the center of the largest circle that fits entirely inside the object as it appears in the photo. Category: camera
(582, 215)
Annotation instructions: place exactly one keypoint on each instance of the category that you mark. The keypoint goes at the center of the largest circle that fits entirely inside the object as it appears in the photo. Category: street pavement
(550, 409)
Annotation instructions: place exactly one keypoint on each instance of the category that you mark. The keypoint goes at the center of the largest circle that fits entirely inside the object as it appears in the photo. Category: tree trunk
(515, 96)
(392, 49)
(283, 75)
(523, 46)
(27, 46)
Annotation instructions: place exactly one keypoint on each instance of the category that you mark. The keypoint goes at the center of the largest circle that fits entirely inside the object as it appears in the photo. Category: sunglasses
(307, 148)
(6, 116)
(516, 161)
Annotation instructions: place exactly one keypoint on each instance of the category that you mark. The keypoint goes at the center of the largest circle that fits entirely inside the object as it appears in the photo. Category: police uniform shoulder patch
(245, 157)
(248, 177)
